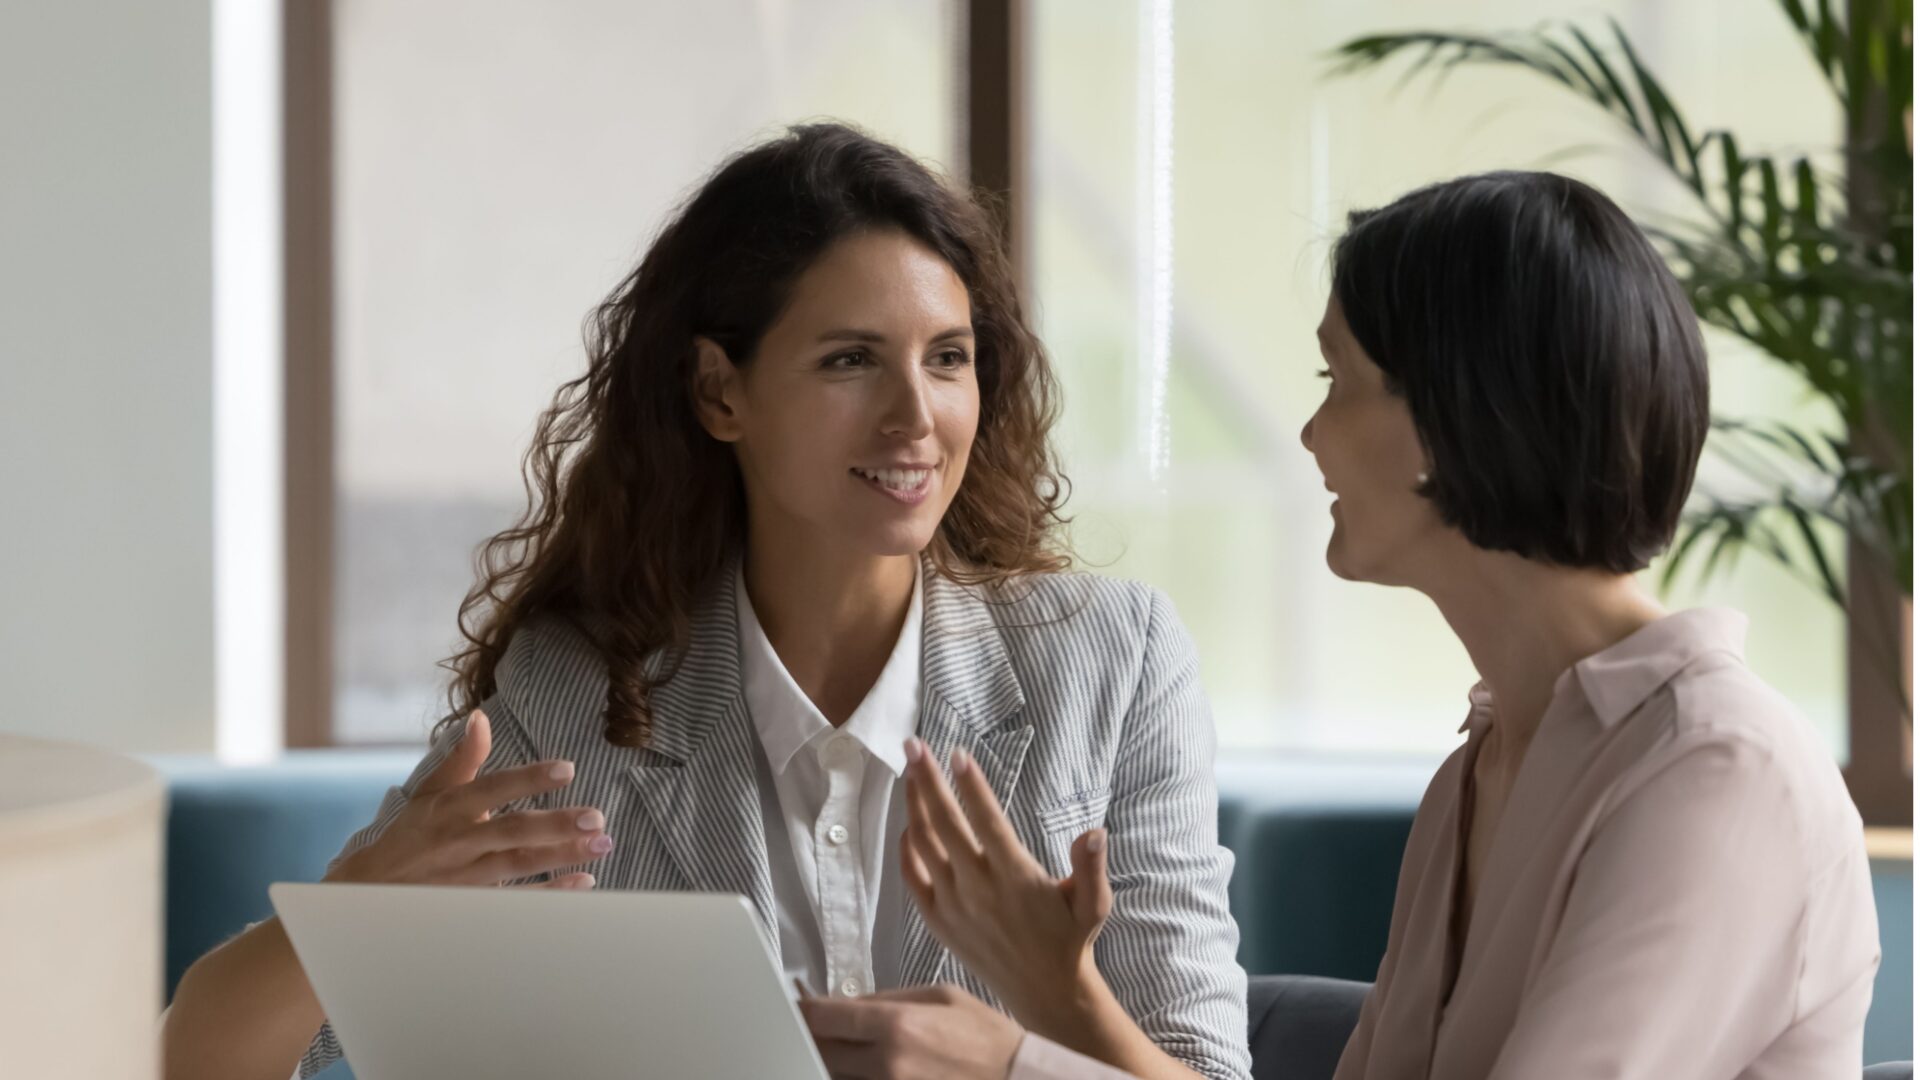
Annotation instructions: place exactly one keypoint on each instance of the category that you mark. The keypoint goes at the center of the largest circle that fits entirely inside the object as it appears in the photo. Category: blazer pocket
(1075, 814)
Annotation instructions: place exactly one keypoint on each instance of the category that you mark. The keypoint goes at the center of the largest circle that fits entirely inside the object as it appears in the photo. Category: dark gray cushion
(1316, 846)
(1298, 1024)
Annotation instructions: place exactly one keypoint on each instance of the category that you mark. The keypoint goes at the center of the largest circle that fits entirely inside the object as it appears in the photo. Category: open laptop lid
(479, 983)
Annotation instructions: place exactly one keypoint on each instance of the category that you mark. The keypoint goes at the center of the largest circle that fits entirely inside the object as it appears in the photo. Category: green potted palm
(1813, 265)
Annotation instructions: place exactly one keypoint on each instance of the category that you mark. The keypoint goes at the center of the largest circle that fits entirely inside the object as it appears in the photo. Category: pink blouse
(1677, 888)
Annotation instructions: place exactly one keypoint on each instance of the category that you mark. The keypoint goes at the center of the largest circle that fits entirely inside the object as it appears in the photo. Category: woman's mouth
(908, 486)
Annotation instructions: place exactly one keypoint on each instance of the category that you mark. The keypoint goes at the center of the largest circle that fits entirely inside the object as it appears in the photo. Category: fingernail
(590, 820)
(472, 718)
(586, 881)
(1097, 842)
(562, 770)
(913, 750)
(962, 761)
(601, 844)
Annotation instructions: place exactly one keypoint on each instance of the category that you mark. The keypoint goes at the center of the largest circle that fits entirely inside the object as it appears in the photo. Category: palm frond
(1779, 256)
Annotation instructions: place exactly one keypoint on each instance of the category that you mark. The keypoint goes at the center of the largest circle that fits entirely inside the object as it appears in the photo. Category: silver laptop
(427, 982)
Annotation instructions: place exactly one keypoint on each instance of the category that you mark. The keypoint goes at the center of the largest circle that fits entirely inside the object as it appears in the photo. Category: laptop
(453, 983)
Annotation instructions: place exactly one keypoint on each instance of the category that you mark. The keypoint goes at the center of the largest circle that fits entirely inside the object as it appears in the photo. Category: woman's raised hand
(1026, 934)
(449, 834)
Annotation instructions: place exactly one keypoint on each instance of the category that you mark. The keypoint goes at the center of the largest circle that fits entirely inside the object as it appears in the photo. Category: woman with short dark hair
(1551, 367)
(1642, 864)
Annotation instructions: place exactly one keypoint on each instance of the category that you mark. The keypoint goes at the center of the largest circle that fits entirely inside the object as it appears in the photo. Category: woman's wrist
(1075, 1012)
(1087, 1018)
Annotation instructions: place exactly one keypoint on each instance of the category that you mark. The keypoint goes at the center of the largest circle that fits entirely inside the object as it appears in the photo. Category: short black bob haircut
(1555, 372)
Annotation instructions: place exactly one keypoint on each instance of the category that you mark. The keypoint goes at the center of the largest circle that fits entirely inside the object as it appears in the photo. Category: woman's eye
(846, 361)
(951, 360)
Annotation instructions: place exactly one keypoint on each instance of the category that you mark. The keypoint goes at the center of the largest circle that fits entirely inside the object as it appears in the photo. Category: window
(499, 168)
(1234, 166)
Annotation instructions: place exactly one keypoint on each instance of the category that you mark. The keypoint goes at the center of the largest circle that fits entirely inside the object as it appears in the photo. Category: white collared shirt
(835, 810)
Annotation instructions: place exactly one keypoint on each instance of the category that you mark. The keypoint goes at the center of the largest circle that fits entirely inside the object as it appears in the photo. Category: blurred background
(284, 287)
(263, 463)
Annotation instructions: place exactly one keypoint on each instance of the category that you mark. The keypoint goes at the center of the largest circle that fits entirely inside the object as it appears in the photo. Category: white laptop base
(437, 983)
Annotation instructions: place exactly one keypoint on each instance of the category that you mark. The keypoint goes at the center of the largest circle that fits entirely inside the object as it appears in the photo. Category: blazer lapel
(696, 778)
(971, 698)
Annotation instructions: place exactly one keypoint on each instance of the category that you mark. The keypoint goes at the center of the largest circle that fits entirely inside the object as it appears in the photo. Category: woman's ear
(716, 390)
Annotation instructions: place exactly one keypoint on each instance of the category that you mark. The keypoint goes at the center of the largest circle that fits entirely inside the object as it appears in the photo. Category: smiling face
(1369, 452)
(854, 420)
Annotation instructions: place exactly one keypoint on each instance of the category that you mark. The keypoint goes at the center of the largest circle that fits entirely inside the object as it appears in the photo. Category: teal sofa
(1317, 842)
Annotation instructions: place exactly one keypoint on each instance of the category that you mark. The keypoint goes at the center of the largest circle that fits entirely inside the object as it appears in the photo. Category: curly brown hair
(633, 509)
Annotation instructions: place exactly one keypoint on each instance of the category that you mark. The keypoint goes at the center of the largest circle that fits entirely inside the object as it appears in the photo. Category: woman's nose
(909, 412)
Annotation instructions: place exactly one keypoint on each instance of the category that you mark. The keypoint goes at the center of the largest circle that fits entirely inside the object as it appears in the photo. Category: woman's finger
(983, 813)
(937, 994)
(926, 844)
(851, 1060)
(942, 809)
(1092, 893)
(855, 1020)
(474, 800)
(463, 762)
(914, 872)
(523, 829)
(563, 883)
(531, 861)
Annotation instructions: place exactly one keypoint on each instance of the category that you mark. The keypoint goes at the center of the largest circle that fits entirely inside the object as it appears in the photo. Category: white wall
(106, 564)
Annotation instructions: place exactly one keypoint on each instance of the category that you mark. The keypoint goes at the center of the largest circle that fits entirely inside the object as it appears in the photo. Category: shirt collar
(1620, 678)
(1617, 680)
(1479, 707)
(787, 720)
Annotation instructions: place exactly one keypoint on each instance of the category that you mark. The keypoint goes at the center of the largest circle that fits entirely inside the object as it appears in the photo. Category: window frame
(994, 106)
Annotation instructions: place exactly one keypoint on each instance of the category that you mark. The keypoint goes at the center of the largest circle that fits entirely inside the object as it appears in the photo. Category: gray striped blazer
(1079, 696)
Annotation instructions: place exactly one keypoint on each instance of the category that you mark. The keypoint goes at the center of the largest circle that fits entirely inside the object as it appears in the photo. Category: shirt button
(841, 751)
(850, 988)
(837, 834)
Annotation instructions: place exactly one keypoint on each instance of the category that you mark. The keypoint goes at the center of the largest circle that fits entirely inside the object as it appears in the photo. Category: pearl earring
(1421, 480)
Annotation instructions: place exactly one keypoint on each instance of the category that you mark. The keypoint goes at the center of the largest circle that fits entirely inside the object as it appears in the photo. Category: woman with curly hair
(800, 510)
